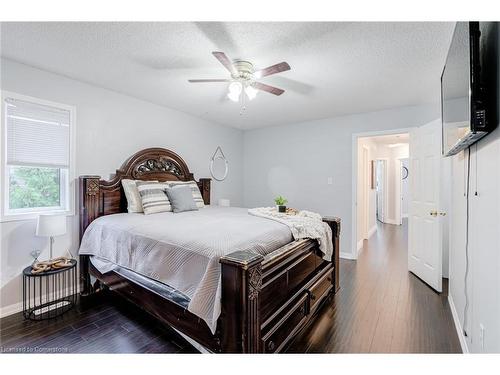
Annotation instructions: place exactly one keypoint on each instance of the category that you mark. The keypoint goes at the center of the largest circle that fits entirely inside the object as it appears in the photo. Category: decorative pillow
(181, 198)
(134, 203)
(194, 190)
(153, 197)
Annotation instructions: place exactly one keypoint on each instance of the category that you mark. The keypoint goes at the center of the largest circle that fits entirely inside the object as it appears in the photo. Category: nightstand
(49, 294)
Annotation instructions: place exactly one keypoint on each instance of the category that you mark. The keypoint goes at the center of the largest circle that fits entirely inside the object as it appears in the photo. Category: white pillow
(195, 190)
(134, 203)
(154, 197)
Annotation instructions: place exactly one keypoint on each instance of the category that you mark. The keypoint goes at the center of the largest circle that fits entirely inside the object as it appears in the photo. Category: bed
(251, 288)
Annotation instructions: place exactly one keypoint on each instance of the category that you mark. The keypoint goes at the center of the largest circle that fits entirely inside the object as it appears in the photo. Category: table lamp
(51, 226)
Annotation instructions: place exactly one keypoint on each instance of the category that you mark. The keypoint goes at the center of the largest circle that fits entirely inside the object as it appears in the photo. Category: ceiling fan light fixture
(235, 88)
(251, 92)
(243, 78)
(233, 96)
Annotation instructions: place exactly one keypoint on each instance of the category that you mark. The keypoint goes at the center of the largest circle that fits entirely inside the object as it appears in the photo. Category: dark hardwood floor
(103, 323)
(380, 308)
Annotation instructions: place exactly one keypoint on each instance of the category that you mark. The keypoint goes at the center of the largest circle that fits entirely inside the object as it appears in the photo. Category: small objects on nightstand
(35, 254)
(280, 204)
(224, 202)
(49, 265)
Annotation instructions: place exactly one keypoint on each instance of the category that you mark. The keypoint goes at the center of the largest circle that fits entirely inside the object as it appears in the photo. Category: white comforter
(305, 224)
(183, 249)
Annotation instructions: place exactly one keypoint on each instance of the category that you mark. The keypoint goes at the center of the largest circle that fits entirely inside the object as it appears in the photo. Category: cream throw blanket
(304, 224)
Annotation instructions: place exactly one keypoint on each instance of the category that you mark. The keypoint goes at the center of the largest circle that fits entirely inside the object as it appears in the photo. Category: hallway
(381, 307)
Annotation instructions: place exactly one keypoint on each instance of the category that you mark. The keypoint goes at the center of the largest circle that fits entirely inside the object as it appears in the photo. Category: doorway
(411, 187)
(378, 183)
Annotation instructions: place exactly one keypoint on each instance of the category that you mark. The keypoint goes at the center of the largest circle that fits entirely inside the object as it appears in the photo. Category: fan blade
(208, 80)
(224, 60)
(267, 88)
(273, 69)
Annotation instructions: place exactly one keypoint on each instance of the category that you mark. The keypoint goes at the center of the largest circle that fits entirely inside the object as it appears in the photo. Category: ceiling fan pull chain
(242, 100)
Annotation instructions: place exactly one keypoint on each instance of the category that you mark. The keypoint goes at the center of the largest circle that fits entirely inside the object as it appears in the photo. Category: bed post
(334, 223)
(89, 210)
(204, 185)
(241, 286)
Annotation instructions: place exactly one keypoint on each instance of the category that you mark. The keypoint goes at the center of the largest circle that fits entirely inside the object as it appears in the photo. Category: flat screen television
(463, 110)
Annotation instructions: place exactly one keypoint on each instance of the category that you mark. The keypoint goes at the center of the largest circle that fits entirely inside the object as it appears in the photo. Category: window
(37, 158)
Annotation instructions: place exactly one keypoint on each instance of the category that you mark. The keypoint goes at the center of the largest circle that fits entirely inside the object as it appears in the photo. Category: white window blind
(37, 135)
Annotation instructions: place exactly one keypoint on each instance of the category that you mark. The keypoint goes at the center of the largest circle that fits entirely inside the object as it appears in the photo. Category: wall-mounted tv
(463, 109)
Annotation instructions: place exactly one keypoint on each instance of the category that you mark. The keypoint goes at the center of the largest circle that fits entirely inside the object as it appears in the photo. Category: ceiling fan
(244, 76)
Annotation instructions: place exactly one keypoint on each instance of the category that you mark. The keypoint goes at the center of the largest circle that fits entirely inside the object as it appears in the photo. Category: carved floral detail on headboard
(93, 186)
(158, 165)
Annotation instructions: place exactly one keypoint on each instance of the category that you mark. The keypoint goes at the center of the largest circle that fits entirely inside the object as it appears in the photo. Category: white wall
(446, 207)
(484, 243)
(110, 127)
(484, 232)
(296, 160)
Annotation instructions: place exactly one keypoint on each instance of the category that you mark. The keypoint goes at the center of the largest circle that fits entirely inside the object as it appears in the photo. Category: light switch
(329, 180)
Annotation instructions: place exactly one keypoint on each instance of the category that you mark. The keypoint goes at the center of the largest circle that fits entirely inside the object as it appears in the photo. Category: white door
(424, 219)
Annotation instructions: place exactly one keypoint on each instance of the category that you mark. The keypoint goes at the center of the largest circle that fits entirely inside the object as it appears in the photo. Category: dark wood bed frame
(265, 300)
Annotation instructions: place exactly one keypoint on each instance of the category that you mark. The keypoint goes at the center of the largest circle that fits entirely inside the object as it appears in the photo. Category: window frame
(68, 187)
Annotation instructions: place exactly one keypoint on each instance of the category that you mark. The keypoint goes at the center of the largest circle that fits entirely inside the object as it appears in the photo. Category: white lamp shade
(51, 225)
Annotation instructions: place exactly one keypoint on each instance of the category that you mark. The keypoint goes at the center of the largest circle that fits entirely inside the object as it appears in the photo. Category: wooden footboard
(267, 300)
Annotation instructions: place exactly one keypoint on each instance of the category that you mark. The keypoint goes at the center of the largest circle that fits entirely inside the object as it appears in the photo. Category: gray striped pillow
(153, 197)
(194, 189)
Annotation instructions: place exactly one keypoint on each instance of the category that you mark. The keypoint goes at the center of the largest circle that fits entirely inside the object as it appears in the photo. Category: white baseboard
(347, 256)
(458, 326)
(372, 231)
(11, 309)
(18, 306)
(391, 221)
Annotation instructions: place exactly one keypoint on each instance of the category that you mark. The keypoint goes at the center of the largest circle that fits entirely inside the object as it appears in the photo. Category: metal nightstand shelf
(49, 294)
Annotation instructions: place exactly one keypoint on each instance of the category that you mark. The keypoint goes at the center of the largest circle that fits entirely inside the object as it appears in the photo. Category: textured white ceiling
(384, 140)
(337, 68)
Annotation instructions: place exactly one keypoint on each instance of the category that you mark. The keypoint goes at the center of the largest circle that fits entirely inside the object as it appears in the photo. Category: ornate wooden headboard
(100, 197)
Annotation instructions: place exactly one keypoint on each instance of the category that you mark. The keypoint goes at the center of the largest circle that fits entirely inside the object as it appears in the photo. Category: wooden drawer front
(298, 272)
(321, 287)
(279, 288)
(286, 327)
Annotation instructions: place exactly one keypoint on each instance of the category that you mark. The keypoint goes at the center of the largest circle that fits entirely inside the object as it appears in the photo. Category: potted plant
(280, 203)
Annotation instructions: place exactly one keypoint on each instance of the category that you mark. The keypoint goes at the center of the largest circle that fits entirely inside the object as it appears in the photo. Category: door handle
(435, 213)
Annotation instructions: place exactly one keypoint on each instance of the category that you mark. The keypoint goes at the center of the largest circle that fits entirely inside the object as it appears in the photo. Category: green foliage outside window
(34, 187)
